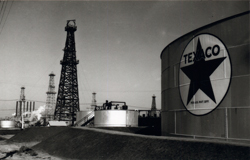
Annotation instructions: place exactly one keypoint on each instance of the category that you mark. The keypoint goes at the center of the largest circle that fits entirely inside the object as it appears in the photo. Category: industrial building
(206, 82)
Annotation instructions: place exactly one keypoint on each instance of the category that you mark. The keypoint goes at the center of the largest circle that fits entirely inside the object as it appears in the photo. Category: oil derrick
(153, 107)
(67, 103)
(51, 100)
(93, 104)
(22, 101)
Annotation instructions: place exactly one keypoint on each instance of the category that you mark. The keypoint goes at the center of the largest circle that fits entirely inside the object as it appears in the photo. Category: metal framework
(67, 99)
(153, 106)
(93, 104)
(21, 103)
(22, 95)
(51, 100)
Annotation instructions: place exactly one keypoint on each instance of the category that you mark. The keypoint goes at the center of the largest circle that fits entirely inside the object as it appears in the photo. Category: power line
(2, 8)
(3, 11)
(4, 100)
(137, 106)
(88, 103)
(6, 17)
(133, 91)
(36, 101)
(7, 109)
(9, 100)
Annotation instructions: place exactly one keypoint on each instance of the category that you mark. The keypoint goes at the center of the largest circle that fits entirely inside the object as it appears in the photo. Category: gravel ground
(84, 143)
(90, 143)
(6, 148)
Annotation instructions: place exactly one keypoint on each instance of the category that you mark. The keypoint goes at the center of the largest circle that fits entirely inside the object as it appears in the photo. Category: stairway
(85, 120)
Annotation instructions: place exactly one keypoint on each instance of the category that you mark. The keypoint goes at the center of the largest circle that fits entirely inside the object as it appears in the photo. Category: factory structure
(206, 82)
(22, 105)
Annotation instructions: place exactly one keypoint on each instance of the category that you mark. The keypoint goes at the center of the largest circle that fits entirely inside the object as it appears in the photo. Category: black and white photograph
(124, 80)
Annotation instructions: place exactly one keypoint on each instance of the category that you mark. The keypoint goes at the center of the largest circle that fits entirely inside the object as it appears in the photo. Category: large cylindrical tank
(116, 118)
(206, 81)
(7, 124)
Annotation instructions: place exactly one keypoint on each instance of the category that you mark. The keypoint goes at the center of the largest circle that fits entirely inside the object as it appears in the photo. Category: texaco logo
(205, 74)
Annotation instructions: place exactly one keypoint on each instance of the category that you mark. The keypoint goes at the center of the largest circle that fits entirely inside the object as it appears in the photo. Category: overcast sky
(118, 45)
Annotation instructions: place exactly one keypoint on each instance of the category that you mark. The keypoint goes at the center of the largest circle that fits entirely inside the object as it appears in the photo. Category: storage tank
(206, 81)
(116, 118)
(7, 124)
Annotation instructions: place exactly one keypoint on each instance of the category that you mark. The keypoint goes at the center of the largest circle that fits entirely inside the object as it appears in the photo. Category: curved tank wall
(81, 114)
(7, 124)
(116, 118)
(206, 81)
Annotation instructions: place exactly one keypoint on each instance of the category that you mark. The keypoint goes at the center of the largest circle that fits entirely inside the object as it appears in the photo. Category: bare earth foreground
(89, 143)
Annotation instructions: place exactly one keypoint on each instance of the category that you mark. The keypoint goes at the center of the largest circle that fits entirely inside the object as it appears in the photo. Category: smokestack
(20, 104)
(16, 108)
(27, 110)
(24, 107)
(33, 106)
(30, 105)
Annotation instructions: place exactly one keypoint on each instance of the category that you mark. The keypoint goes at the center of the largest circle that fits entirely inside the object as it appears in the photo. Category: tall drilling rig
(153, 107)
(51, 99)
(67, 103)
(93, 104)
(22, 101)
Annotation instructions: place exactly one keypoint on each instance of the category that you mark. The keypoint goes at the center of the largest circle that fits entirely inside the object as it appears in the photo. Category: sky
(118, 45)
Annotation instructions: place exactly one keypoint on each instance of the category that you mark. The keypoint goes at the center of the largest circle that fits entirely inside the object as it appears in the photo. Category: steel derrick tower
(67, 103)
(153, 106)
(51, 97)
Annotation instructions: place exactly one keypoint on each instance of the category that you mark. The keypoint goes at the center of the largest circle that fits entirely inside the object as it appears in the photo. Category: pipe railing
(85, 118)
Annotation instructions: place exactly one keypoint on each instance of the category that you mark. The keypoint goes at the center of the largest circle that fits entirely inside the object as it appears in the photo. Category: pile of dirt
(74, 143)
(2, 138)
(36, 134)
(22, 150)
(9, 131)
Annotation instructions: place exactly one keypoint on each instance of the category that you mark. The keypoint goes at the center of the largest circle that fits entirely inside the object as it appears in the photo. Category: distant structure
(51, 100)
(153, 107)
(67, 103)
(22, 95)
(20, 105)
(22, 101)
(93, 104)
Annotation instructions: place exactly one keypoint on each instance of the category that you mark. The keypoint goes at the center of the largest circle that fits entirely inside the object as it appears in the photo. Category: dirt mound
(36, 134)
(9, 131)
(2, 138)
(73, 143)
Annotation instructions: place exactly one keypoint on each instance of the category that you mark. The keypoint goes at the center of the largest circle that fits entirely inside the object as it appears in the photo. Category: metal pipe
(22, 117)
(118, 102)
(175, 124)
(226, 124)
